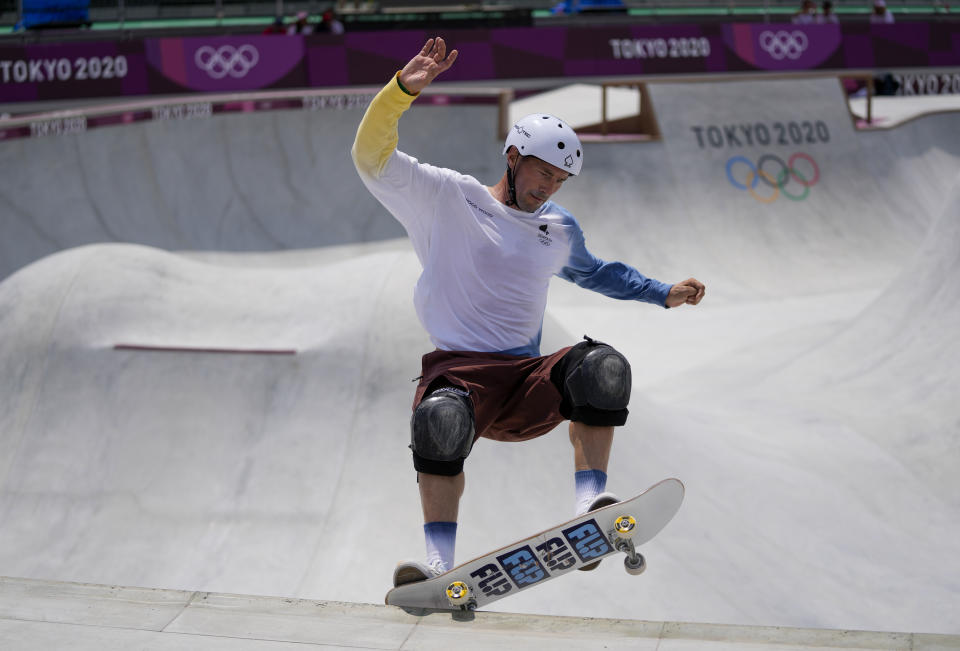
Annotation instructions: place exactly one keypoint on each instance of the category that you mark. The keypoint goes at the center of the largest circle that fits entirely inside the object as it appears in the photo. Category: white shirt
(486, 267)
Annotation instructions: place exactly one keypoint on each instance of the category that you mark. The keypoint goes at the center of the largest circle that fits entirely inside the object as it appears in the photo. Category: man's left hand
(689, 292)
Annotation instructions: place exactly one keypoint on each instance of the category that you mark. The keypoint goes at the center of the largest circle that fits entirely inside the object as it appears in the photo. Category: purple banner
(243, 63)
(230, 63)
(772, 47)
(99, 69)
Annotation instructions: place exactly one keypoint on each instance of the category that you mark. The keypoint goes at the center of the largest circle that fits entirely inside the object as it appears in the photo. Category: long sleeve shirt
(486, 266)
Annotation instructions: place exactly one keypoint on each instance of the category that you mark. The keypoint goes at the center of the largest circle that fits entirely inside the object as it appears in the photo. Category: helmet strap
(511, 184)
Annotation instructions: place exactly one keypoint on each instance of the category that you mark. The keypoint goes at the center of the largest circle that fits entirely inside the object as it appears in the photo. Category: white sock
(441, 540)
(590, 483)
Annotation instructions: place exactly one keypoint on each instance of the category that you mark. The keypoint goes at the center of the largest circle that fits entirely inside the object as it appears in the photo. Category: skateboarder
(488, 254)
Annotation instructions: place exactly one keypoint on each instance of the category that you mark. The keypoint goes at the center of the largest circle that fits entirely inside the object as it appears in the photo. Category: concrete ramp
(237, 422)
(853, 204)
(236, 458)
(261, 181)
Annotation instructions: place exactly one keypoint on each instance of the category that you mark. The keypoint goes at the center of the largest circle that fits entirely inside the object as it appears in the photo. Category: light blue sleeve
(614, 279)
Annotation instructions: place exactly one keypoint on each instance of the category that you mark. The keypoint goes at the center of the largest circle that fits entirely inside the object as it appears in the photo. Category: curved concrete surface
(269, 181)
(808, 404)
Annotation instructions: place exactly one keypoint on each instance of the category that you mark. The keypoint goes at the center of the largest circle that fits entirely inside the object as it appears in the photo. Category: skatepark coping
(49, 614)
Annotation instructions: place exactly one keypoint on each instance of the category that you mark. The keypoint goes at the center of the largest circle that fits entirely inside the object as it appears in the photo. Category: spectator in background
(276, 27)
(827, 16)
(570, 7)
(881, 15)
(301, 25)
(807, 14)
(329, 23)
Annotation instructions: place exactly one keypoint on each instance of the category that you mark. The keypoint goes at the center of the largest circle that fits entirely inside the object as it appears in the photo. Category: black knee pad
(595, 381)
(441, 432)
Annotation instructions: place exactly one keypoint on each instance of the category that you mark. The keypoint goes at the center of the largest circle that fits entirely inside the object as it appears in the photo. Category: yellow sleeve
(377, 134)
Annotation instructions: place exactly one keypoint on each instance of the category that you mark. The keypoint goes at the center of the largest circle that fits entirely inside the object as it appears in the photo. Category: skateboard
(620, 527)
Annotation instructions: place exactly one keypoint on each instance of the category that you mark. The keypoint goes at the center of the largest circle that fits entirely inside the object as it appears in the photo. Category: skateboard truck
(458, 594)
(623, 529)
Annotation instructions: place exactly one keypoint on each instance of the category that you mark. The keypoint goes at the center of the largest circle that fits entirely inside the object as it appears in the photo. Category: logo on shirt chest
(544, 236)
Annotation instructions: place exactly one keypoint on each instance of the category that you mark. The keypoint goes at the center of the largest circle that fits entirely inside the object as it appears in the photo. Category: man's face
(535, 180)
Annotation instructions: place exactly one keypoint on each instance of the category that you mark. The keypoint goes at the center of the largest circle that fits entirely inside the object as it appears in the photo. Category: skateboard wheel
(458, 593)
(636, 565)
(625, 526)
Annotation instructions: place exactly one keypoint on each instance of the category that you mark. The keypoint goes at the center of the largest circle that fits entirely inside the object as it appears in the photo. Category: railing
(124, 11)
(643, 126)
(198, 107)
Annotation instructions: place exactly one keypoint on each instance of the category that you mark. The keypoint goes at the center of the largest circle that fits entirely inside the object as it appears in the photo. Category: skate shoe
(414, 571)
(600, 501)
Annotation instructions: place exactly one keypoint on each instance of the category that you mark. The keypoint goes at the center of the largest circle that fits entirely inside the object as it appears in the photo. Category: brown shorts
(513, 397)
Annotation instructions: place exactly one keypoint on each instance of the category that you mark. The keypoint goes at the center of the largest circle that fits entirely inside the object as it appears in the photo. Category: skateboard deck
(620, 527)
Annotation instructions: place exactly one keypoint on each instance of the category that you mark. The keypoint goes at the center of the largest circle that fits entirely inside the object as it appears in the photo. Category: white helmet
(548, 138)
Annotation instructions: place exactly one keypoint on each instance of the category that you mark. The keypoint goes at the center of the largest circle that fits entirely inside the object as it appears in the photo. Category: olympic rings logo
(784, 44)
(788, 173)
(227, 60)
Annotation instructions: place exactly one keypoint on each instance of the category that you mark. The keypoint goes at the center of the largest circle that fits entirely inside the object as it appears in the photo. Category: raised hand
(424, 68)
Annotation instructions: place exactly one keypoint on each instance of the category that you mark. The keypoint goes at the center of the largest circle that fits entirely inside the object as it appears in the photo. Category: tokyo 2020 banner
(256, 62)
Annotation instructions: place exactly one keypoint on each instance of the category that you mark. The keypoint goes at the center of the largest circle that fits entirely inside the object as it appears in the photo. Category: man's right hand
(424, 68)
